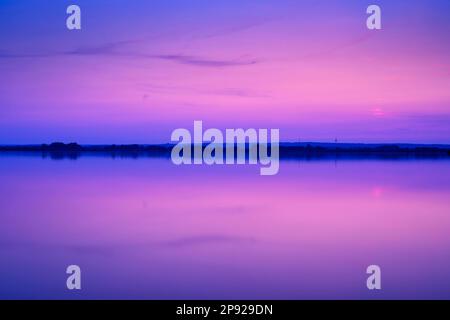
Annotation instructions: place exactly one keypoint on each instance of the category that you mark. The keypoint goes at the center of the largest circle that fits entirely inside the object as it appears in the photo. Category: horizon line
(175, 143)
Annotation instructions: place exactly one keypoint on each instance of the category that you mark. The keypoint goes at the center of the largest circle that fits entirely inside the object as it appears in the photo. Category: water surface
(146, 229)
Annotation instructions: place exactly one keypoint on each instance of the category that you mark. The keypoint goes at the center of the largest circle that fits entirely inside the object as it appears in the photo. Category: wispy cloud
(207, 240)
(111, 48)
(13, 55)
(233, 92)
(120, 49)
(202, 62)
(237, 92)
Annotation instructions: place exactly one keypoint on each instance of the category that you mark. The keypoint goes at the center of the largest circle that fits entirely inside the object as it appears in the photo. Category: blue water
(146, 229)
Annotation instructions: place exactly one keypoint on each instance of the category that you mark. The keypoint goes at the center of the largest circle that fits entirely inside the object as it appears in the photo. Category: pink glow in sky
(138, 70)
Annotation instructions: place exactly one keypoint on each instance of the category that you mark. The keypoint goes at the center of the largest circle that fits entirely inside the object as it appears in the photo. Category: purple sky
(139, 69)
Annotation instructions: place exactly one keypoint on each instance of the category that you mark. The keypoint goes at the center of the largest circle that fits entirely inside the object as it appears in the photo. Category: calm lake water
(147, 229)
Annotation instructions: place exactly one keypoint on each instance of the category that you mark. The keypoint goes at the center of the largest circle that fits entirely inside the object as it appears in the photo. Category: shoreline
(287, 150)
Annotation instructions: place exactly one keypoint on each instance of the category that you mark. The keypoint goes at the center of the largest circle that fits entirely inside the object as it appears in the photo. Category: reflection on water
(144, 228)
